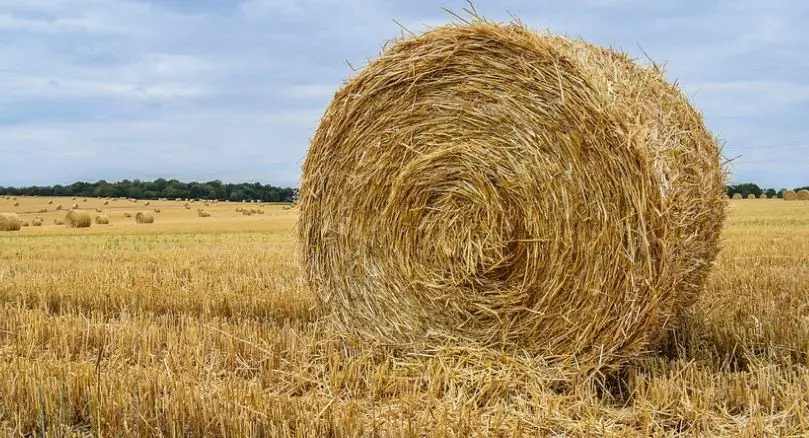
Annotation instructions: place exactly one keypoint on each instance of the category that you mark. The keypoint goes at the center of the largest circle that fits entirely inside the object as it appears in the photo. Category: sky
(234, 90)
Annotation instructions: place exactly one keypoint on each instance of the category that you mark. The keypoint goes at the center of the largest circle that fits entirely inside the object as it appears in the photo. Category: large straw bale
(143, 217)
(485, 184)
(790, 195)
(737, 196)
(803, 195)
(102, 219)
(78, 219)
(10, 222)
(751, 196)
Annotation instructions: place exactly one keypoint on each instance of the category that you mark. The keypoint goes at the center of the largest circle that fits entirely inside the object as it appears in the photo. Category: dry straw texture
(485, 184)
(762, 196)
(102, 219)
(78, 219)
(737, 196)
(37, 222)
(58, 221)
(203, 213)
(10, 222)
(75, 206)
(143, 217)
(59, 207)
(803, 195)
(790, 195)
(751, 196)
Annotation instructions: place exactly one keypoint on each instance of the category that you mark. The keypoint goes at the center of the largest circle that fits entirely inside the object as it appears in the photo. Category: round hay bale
(26, 224)
(50, 202)
(143, 217)
(43, 210)
(762, 196)
(102, 219)
(156, 210)
(10, 222)
(489, 185)
(790, 195)
(59, 207)
(106, 202)
(127, 215)
(36, 222)
(751, 196)
(203, 213)
(58, 221)
(16, 204)
(147, 203)
(75, 206)
(737, 196)
(78, 219)
(803, 195)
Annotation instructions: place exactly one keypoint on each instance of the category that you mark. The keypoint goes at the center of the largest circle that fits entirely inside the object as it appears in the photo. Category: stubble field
(200, 327)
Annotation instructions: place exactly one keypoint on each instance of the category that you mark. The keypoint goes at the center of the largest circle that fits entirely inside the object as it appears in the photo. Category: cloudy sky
(204, 89)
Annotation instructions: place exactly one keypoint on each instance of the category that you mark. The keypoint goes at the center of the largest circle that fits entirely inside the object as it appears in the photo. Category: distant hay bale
(143, 217)
(475, 183)
(751, 196)
(10, 222)
(106, 202)
(26, 224)
(50, 202)
(239, 209)
(203, 213)
(75, 206)
(790, 195)
(102, 219)
(737, 196)
(147, 203)
(246, 212)
(42, 210)
(156, 210)
(59, 207)
(78, 219)
(58, 221)
(16, 204)
(803, 195)
(762, 196)
(36, 222)
(84, 200)
(127, 215)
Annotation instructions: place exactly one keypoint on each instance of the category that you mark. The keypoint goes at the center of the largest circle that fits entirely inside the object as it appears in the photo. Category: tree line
(747, 188)
(162, 188)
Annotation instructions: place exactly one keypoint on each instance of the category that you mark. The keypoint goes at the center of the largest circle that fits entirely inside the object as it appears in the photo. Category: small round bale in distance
(102, 219)
(802, 195)
(751, 196)
(143, 217)
(78, 219)
(486, 184)
(737, 196)
(10, 222)
(790, 195)
(36, 222)
(762, 196)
